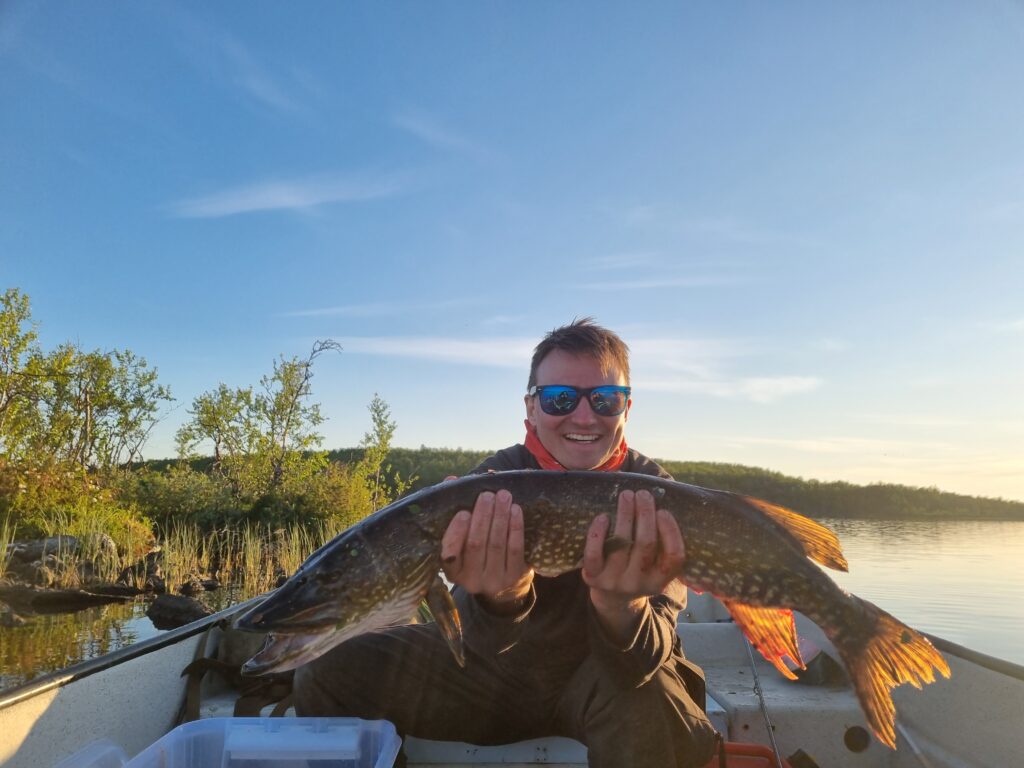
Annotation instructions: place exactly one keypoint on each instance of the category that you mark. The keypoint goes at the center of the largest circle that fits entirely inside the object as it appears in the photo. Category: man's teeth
(582, 438)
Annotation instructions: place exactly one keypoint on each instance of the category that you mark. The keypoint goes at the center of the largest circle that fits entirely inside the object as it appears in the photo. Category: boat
(135, 696)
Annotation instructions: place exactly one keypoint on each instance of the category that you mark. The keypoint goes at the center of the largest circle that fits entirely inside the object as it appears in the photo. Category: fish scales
(753, 555)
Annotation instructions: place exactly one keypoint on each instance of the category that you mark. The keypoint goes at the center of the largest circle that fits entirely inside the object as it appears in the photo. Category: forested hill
(813, 498)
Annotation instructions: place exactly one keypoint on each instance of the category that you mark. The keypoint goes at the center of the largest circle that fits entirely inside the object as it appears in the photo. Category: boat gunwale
(89, 667)
(993, 663)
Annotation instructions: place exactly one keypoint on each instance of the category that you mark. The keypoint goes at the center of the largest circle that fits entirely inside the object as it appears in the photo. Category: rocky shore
(65, 574)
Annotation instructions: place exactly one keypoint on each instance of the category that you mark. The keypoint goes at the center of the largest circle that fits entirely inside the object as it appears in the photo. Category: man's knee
(657, 723)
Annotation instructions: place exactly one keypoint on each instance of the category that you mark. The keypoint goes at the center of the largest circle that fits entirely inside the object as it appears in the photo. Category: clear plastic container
(259, 742)
(100, 754)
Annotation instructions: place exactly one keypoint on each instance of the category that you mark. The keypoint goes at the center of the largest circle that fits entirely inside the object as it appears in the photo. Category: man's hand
(482, 552)
(621, 583)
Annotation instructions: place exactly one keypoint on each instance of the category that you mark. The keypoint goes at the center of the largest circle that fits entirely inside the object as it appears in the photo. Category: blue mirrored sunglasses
(560, 400)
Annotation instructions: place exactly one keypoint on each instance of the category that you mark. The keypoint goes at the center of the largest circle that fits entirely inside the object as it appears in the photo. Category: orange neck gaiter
(547, 461)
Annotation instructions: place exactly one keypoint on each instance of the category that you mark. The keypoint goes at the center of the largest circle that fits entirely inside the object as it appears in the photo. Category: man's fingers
(645, 551)
(475, 551)
(624, 515)
(593, 550)
(497, 541)
(454, 540)
(673, 546)
(516, 540)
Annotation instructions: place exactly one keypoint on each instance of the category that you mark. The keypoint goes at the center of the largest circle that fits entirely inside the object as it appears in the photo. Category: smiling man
(592, 654)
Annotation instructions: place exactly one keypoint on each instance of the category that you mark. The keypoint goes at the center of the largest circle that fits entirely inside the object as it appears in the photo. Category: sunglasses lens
(558, 401)
(608, 401)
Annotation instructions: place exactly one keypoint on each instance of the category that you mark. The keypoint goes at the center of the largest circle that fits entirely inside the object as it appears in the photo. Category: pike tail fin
(880, 656)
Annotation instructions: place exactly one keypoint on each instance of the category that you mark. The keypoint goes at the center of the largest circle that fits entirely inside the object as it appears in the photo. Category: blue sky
(805, 219)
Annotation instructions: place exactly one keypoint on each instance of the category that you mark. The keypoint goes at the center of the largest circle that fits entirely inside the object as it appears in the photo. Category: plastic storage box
(264, 742)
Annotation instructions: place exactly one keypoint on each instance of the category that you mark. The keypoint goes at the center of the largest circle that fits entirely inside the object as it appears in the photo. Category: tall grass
(250, 558)
(7, 533)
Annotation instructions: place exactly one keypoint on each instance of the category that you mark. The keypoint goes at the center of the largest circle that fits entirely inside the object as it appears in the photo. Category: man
(592, 654)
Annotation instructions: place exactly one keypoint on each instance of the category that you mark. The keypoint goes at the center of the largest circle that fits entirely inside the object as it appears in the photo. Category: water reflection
(50, 642)
(959, 580)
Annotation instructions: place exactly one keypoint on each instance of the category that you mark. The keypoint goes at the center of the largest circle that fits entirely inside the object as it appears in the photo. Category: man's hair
(583, 337)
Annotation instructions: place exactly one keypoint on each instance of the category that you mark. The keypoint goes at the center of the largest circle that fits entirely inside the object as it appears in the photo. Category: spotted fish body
(754, 556)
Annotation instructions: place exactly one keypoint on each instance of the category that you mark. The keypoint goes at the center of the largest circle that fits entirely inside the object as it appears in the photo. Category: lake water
(963, 581)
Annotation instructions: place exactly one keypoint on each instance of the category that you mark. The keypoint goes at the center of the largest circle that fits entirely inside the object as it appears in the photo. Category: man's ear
(530, 402)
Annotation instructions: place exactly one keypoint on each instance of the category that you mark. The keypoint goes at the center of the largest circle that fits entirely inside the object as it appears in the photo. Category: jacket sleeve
(488, 634)
(652, 644)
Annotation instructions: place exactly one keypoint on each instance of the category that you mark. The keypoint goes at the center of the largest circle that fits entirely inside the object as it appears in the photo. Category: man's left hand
(621, 582)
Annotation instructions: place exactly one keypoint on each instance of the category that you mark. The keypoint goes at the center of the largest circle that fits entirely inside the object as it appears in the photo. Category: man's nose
(584, 413)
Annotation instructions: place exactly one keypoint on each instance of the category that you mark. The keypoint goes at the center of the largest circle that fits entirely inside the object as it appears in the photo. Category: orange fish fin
(819, 543)
(892, 655)
(771, 631)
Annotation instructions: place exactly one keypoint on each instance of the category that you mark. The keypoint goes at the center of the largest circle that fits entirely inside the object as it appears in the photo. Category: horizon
(805, 222)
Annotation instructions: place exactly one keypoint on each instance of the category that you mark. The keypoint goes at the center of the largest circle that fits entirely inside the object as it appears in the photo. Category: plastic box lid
(99, 754)
(258, 742)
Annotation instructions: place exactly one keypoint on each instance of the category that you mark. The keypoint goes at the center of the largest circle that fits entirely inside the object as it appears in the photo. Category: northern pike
(754, 556)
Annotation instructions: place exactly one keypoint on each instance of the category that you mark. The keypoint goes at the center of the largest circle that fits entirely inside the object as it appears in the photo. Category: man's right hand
(482, 552)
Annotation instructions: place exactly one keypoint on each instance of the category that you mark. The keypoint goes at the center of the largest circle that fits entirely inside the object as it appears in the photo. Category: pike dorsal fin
(819, 543)
(771, 631)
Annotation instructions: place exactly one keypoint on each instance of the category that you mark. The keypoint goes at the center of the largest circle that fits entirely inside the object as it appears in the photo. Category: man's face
(582, 439)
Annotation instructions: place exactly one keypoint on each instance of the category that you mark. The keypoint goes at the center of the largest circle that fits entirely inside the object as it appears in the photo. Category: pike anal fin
(771, 631)
(446, 615)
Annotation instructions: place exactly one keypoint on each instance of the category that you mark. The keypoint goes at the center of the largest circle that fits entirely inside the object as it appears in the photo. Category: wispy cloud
(242, 69)
(925, 421)
(430, 130)
(623, 260)
(1004, 326)
(667, 365)
(658, 282)
(381, 308)
(758, 389)
(494, 353)
(295, 194)
(223, 59)
(843, 445)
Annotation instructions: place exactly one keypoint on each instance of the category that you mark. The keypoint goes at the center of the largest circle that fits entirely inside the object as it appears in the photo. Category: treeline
(814, 498)
(74, 424)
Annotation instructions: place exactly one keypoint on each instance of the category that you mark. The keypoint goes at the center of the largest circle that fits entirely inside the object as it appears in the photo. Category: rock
(30, 551)
(170, 611)
(9, 619)
(144, 570)
(31, 600)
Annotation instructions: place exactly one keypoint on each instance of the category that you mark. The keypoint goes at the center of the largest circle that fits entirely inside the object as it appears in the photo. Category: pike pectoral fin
(446, 615)
(771, 631)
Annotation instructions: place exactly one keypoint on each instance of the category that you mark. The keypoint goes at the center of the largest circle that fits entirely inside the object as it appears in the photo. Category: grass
(250, 558)
(7, 533)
